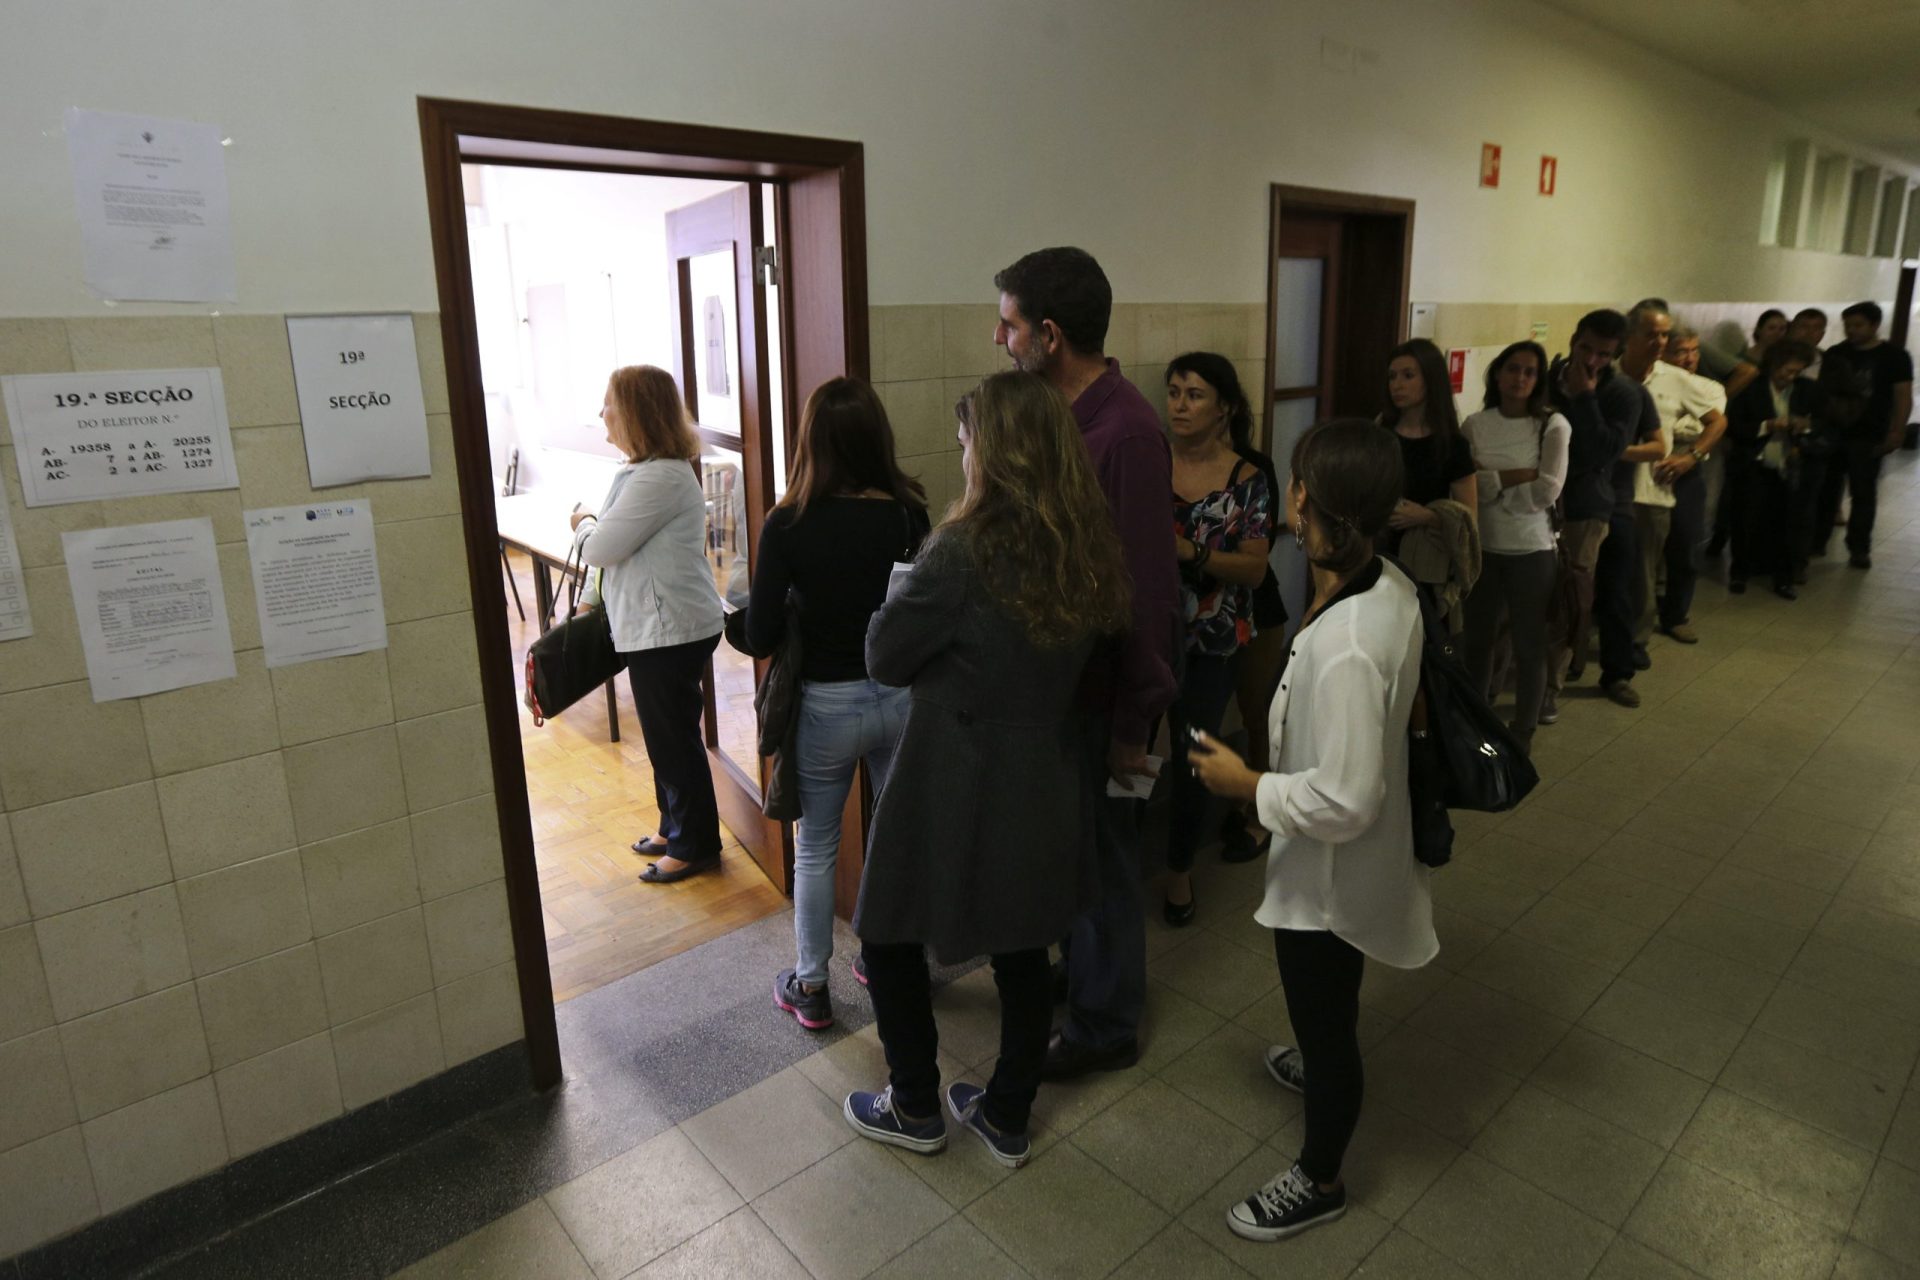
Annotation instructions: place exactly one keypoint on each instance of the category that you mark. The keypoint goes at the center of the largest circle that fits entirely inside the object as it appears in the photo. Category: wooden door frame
(824, 283)
(1284, 199)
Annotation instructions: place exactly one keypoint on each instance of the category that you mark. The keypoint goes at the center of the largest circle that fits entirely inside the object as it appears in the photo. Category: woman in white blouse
(1342, 882)
(650, 541)
(1520, 460)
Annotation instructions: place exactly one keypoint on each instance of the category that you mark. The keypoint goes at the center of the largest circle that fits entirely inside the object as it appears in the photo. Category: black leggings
(1320, 973)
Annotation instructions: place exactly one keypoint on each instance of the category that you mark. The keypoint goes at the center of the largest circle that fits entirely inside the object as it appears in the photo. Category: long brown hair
(1436, 410)
(652, 414)
(1351, 471)
(1034, 518)
(846, 446)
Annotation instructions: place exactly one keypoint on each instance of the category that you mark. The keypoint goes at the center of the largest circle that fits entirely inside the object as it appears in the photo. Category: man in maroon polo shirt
(1054, 309)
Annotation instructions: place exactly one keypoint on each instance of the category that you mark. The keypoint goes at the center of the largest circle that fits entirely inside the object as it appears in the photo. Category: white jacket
(651, 542)
(1336, 799)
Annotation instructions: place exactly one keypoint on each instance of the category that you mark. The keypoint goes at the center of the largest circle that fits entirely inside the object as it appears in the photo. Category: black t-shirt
(1431, 471)
(836, 560)
(1859, 386)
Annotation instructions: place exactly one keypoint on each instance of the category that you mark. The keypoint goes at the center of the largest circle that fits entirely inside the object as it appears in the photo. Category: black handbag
(571, 660)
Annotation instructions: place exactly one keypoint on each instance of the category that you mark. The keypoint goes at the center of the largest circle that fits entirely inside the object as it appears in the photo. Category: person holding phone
(1775, 472)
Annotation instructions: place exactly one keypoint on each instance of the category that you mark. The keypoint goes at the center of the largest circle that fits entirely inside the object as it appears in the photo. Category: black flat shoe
(1181, 915)
(1785, 591)
(649, 844)
(1067, 1061)
(1737, 586)
(655, 875)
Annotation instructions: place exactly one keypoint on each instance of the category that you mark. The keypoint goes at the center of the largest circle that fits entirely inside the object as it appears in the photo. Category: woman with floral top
(1222, 509)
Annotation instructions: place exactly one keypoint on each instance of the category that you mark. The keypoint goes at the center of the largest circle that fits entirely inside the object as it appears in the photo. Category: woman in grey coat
(983, 839)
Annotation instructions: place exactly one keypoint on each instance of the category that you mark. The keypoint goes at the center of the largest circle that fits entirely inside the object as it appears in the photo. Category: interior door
(721, 361)
(1306, 292)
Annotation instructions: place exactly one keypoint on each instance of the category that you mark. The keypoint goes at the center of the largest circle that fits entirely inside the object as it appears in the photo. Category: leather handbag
(1481, 765)
(571, 660)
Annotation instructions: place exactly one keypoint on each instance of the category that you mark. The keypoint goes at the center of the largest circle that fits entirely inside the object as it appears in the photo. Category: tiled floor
(1672, 1031)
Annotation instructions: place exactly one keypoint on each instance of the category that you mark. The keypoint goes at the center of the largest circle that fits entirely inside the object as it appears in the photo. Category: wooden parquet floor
(591, 799)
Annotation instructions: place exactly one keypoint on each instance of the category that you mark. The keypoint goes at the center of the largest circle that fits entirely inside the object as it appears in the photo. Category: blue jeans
(841, 724)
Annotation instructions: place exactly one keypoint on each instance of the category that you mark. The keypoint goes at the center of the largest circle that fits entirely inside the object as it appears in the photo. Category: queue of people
(1003, 671)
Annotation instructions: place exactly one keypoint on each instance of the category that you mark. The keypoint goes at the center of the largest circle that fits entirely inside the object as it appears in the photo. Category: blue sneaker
(872, 1116)
(1010, 1149)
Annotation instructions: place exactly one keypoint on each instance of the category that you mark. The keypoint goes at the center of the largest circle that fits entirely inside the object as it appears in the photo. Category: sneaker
(811, 1009)
(1681, 633)
(860, 968)
(872, 1116)
(1286, 1206)
(1010, 1149)
(1549, 708)
(1285, 1064)
(1622, 692)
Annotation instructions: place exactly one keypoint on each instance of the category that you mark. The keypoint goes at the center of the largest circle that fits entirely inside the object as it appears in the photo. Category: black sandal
(654, 875)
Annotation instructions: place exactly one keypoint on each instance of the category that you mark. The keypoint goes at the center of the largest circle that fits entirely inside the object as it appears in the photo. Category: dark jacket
(776, 708)
(982, 840)
(1747, 411)
(1604, 421)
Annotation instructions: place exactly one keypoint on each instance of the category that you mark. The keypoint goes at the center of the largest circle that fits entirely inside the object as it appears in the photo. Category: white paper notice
(317, 580)
(152, 613)
(152, 200)
(361, 408)
(15, 622)
(82, 437)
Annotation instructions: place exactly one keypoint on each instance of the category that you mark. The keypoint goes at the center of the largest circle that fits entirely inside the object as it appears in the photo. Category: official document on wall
(316, 578)
(362, 412)
(151, 195)
(16, 623)
(84, 437)
(151, 609)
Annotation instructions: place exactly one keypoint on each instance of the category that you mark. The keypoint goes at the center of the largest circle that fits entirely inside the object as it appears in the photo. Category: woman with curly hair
(983, 839)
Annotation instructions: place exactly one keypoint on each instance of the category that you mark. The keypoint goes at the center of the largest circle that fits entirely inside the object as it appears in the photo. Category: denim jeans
(841, 724)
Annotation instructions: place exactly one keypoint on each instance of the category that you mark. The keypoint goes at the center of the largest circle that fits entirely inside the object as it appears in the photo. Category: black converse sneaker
(1285, 1064)
(1286, 1206)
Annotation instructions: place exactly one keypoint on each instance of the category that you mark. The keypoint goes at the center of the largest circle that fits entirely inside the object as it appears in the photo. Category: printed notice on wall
(317, 580)
(84, 437)
(151, 609)
(16, 623)
(361, 408)
(152, 200)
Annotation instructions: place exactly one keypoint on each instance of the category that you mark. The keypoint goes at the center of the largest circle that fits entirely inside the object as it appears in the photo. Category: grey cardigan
(983, 837)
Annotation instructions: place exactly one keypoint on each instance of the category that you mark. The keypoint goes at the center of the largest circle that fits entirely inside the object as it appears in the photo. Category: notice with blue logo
(316, 580)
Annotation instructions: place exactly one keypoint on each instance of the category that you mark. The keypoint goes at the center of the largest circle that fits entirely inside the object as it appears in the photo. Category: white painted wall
(1145, 130)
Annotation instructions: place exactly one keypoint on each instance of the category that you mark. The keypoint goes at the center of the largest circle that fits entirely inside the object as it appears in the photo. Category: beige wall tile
(34, 345)
(375, 965)
(37, 530)
(135, 1050)
(433, 665)
(273, 468)
(207, 724)
(435, 494)
(1123, 333)
(387, 1051)
(342, 784)
(270, 1098)
(13, 892)
(162, 1142)
(46, 1190)
(333, 696)
(433, 360)
(913, 343)
(24, 1003)
(456, 846)
(361, 876)
(257, 367)
(52, 654)
(423, 568)
(921, 415)
(445, 758)
(39, 1101)
(243, 613)
(479, 1013)
(74, 853)
(60, 743)
(226, 813)
(876, 343)
(967, 346)
(222, 507)
(468, 932)
(243, 912)
(1156, 338)
(98, 956)
(257, 1007)
(142, 342)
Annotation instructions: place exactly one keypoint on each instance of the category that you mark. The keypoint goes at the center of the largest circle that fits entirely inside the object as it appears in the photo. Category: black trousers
(1853, 468)
(1613, 611)
(1205, 689)
(1685, 533)
(668, 698)
(1106, 950)
(1320, 973)
(902, 995)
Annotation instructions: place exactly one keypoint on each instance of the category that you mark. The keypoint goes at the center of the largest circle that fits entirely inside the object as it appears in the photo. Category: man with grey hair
(1693, 412)
(1615, 576)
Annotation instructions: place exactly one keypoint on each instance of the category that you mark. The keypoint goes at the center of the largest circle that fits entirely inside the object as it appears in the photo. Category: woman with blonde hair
(983, 839)
(649, 541)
